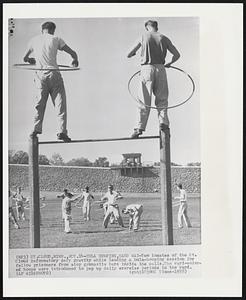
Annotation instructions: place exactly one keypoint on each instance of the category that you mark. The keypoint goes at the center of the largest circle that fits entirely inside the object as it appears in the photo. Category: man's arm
(105, 197)
(60, 196)
(28, 59)
(119, 196)
(74, 55)
(174, 51)
(75, 197)
(80, 199)
(134, 50)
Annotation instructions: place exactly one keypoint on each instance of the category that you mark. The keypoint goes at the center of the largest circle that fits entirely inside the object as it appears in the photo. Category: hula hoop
(169, 107)
(29, 67)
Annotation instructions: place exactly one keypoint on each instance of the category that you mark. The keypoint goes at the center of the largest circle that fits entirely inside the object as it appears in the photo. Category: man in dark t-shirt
(153, 78)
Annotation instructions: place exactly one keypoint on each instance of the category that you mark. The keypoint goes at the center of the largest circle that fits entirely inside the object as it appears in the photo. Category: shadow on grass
(188, 228)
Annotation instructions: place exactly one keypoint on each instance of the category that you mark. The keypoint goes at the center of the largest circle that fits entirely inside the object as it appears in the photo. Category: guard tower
(132, 159)
(131, 162)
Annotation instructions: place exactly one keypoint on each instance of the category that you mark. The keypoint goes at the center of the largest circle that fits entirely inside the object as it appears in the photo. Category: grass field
(93, 234)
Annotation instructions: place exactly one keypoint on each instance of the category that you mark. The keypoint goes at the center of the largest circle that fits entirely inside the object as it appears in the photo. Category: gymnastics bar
(101, 140)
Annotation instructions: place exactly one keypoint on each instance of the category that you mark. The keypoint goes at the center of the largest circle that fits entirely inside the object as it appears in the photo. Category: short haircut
(152, 23)
(179, 186)
(49, 25)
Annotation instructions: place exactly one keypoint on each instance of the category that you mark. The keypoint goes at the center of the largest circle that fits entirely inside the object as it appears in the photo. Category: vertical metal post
(166, 186)
(34, 193)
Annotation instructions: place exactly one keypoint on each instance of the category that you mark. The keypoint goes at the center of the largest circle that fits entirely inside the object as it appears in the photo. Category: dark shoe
(34, 133)
(63, 137)
(136, 133)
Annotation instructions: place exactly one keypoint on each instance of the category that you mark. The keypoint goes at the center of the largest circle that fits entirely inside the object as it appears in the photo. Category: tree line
(21, 157)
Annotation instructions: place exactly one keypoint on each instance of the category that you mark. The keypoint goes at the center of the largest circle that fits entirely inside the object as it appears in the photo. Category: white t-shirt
(66, 206)
(112, 198)
(183, 196)
(44, 48)
(133, 207)
(87, 197)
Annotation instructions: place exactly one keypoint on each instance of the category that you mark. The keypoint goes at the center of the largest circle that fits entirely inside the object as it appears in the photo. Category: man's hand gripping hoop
(169, 107)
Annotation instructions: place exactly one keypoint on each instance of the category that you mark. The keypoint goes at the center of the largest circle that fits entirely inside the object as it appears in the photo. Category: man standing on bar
(153, 78)
(49, 82)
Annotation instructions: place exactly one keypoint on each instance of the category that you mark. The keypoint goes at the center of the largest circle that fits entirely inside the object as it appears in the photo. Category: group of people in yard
(111, 209)
(109, 204)
(18, 201)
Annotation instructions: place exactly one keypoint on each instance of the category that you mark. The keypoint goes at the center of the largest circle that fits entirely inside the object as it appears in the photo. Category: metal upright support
(166, 186)
(34, 193)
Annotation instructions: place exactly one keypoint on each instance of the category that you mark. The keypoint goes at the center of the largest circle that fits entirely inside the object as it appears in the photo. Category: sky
(98, 101)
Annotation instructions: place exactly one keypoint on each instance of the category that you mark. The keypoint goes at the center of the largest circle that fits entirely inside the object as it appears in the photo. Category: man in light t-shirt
(111, 208)
(153, 78)
(44, 48)
(12, 217)
(88, 198)
(67, 199)
(182, 213)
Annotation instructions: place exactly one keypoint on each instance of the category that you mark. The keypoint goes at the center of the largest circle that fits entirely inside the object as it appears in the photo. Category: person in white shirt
(86, 208)
(135, 211)
(67, 199)
(111, 208)
(49, 82)
(182, 213)
(11, 211)
(153, 79)
(20, 200)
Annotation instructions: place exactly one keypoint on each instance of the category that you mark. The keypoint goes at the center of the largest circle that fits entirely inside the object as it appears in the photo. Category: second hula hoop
(33, 68)
(169, 107)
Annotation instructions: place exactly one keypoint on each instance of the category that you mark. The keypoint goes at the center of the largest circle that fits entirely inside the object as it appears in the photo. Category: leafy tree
(194, 164)
(115, 165)
(43, 160)
(101, 162)
(174, 164)
(10, 156)
(57, 160)
(19, 157)
(79, 162)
